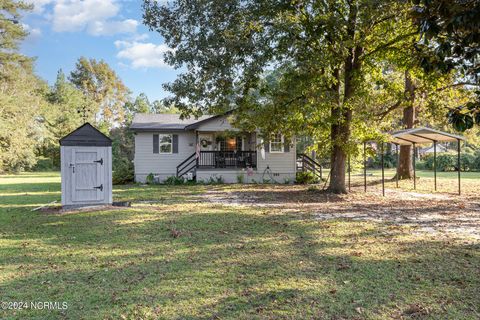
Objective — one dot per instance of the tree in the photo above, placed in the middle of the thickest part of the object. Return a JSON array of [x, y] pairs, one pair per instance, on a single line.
[[62, 114], [418, 98], [159, 107], [320, 49], [20, 93], [101, 85], [12, 33], [452, 27], [140, 105]]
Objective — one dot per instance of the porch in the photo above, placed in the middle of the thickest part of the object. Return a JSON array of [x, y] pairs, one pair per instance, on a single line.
[[227, 160], [222, 150]]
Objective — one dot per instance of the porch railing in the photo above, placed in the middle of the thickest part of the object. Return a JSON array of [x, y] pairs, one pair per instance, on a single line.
[[227, 159]]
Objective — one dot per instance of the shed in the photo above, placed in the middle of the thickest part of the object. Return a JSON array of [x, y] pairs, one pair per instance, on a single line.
[[86, 167]]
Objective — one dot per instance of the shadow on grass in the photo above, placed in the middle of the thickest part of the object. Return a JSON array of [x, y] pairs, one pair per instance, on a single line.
[[230, 263]]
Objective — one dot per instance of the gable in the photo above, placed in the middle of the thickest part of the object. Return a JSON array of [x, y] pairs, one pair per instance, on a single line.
[[86, 135]]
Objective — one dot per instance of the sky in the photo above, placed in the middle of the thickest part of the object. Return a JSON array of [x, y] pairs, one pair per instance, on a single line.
[[61, 31]]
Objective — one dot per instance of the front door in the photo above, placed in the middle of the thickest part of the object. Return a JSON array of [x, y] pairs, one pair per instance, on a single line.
[[88, 179]]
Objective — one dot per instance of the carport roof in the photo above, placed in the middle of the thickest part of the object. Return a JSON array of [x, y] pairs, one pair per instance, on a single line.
[[422, 135]]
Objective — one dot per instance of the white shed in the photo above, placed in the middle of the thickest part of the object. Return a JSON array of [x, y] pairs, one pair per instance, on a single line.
[[86, 168]]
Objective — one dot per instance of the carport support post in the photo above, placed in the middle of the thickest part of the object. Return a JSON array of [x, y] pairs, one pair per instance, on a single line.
[[365, 166], [458, 165], [435, 163], [383, 171], [414, 169], [398, 163]]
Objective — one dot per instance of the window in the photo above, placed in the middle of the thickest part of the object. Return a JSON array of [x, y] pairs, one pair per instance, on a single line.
[[165, 142], [276, 144], [230, 143]]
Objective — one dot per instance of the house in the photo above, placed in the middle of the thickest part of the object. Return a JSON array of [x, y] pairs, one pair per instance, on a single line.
[[423, 152], [208, 148]]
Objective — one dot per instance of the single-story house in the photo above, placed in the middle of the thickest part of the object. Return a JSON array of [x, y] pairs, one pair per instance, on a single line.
[[423, 152], [208, 148]]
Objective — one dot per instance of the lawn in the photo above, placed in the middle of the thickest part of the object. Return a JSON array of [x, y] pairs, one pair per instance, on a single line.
[[241, 252]]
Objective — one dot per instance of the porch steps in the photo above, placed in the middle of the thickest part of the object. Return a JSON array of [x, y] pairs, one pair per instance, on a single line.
[[307, 164], [188, 165]]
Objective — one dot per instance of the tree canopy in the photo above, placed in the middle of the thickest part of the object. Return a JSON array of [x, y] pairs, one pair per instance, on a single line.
[[319, 53], [104, 88], [452, 27]]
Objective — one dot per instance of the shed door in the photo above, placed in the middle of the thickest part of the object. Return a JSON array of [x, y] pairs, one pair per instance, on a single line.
[[88, 174]]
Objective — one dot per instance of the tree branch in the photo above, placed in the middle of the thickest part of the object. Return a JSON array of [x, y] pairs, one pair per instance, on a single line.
[[383, 114], [388, 44], [458, 85]]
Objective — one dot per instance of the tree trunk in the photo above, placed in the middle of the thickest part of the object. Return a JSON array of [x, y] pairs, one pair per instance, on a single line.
[[337, 156], [405, 165], [341, 113], [340, 133]]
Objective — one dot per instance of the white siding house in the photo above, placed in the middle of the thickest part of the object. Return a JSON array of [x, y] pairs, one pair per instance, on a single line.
[[208, 148]]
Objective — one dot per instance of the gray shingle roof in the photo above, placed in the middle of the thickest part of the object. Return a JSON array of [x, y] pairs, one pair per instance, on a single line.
[[143, 121]]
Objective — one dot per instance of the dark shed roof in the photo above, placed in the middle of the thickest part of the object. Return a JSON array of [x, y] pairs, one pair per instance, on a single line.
[[86, 136]]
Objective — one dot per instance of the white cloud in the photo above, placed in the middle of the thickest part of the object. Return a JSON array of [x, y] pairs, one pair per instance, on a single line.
[[97, 17], [106, 28], [142, 54], [33, 33], [39, 5]]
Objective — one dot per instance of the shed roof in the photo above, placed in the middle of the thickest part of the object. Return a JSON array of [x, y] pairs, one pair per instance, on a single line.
[[86, 136], [423, 135], [149, 122]]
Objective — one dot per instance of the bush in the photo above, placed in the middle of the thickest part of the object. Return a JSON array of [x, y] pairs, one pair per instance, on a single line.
[[421, 165], [123, 172], [45, 164], [467, 162], [150, 179], [476, 163], [240, 178], [174, 180], [389, 161], [306, 178], [448, 162]]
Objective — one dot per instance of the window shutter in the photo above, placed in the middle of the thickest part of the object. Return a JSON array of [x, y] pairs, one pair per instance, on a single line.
[[267, 146], [286, 146], [155, 143], [175, 143]]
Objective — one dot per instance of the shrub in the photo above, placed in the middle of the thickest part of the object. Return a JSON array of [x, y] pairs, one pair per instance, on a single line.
[[467, 162], [216, 180], [123, 172], [45, 164], [306, 178], [240, 178], [448, 162], [389, 161], [421, 165], [174, 180], [150, 179], [476, 163]]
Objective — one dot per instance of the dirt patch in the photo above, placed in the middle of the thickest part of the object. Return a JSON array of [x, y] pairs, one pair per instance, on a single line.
[[428, 213]]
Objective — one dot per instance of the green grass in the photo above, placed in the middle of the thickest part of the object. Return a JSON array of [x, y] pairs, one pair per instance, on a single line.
[[184, 258]]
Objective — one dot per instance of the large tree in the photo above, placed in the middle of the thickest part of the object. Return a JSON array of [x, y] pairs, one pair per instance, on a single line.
[[61, 114], [321, 49], [101, 85], [20, 93]]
